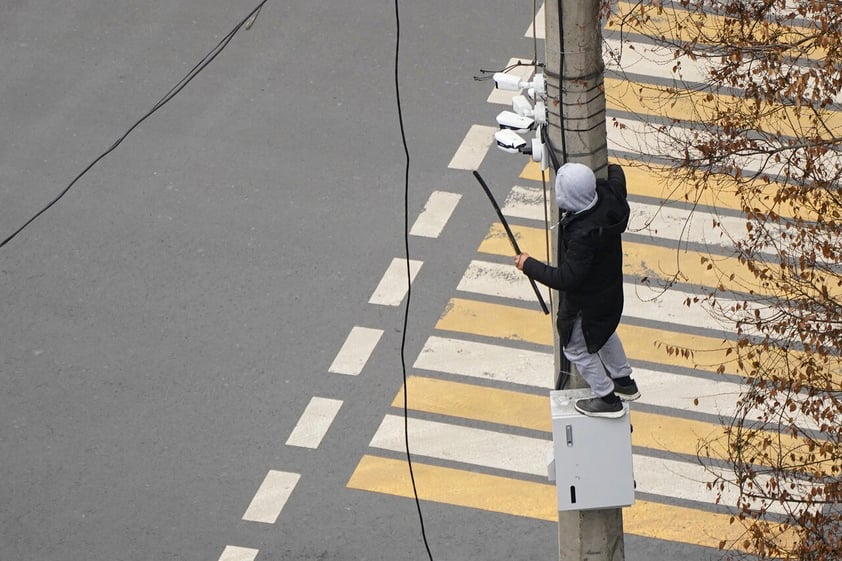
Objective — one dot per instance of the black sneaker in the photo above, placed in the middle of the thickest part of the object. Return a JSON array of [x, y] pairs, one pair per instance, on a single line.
[[598, 407], [627, 391]]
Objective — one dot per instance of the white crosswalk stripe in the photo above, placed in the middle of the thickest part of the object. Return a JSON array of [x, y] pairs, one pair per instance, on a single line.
[[641, 301], [527, 455], [656, 221], [502, 363]]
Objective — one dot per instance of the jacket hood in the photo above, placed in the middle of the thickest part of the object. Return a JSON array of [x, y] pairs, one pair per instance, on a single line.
[[609, 217], [575, 187]]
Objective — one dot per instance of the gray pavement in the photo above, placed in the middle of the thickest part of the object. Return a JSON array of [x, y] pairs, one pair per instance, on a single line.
[[167, 321]]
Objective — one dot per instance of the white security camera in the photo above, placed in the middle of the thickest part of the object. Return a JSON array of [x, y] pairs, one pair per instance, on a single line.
[[509, 141], [515, 122], [536, 87], [509, 82]]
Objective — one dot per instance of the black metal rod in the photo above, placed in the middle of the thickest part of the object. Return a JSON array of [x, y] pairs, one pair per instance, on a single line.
[[511, 236]]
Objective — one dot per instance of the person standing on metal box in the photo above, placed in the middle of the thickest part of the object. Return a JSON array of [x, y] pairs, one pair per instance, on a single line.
[[589, 279]]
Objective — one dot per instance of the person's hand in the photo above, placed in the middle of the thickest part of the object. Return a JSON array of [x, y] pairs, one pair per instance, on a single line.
[[520, 259]]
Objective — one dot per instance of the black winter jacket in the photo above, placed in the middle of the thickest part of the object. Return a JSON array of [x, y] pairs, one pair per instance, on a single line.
[[589, 275]]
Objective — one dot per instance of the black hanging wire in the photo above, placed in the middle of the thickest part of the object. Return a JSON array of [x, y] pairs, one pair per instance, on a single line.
[[206, 60], [565, 367], [408, 281], [486, 75]]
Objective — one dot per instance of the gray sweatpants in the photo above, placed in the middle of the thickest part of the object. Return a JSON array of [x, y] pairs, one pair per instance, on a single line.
[[597, 369]]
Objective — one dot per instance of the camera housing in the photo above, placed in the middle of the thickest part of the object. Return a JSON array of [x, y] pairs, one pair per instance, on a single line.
[[515, 122], [509, 141], [508, 82]]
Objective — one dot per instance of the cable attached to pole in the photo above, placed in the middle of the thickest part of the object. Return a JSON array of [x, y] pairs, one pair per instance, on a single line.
[[545, 136]]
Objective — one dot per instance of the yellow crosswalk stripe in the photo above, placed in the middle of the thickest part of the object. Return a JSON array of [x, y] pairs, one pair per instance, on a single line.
[[642, 343], [529, 411], [644, 100], [640, 260], [672, 348], [497, 321], [469, 401], [457, 487], [534, 500]]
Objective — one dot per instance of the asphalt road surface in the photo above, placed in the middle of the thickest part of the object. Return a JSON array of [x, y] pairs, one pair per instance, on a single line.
[[167, 322]]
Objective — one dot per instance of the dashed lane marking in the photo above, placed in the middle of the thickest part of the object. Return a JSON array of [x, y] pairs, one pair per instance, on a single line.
[[436, 213], [356, 350], [235, 553], [271, 497], [314, 422], [393, 285], [474, 147]]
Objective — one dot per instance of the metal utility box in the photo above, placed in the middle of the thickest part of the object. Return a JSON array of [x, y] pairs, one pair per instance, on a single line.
[[592, 460]]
